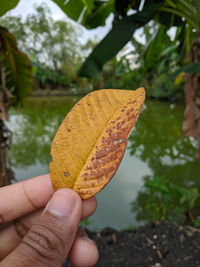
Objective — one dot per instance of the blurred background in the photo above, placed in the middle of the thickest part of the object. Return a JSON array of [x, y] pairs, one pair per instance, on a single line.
[[52, 53]]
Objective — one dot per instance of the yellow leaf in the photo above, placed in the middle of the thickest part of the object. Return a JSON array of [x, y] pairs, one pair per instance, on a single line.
[[180, 78], [91, 141]]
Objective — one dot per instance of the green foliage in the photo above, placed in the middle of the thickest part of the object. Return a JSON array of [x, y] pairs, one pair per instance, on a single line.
[[53, 46], [85, 222], [159, 61], [17, 66], [155, 71], [7, 5], [154, 49], [167, 201], [90, 13], [182, 8], [197, 222], [74, 9], [44, 75], [162, 86], [122, 31], [52, 43], [100, 12], [165, 12], [118, 74], [189, 197], [190, 68]]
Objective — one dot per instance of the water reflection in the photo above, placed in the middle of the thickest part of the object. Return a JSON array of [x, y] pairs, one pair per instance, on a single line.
[[34, 128], [158, 141], [156, 147]]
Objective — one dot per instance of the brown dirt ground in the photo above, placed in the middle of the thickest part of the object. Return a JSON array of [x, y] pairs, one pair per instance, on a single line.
[[152, 245]]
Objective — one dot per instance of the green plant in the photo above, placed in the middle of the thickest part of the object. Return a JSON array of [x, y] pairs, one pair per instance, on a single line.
[[15, 68], [128, 16], [197, 222], [52, 45], [166, 201], [85, 222]]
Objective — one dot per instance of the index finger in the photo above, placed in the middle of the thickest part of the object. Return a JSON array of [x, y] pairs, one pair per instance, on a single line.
[[24, 197]]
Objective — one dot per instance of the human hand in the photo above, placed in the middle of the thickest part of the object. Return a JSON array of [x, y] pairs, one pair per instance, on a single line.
[[33, 236]]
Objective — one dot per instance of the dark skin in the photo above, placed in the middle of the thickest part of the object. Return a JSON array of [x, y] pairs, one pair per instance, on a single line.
[[39, 227]]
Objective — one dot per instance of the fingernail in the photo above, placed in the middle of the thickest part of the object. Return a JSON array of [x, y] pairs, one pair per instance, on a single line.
[[61, 204]]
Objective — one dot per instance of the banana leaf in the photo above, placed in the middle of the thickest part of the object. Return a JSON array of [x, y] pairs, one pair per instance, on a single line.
[[17, 66]]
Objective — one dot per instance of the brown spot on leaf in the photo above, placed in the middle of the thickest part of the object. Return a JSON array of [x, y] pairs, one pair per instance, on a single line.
[[109, 131], [129, 112], [98, 174]]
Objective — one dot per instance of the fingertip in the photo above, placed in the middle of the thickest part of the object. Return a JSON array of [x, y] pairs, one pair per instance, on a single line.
[[89, 207], [84, 252], [70, 192], [64, 202]]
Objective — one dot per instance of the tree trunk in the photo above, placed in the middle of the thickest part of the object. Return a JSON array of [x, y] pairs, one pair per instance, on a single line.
[[6, 174], [191, 123]]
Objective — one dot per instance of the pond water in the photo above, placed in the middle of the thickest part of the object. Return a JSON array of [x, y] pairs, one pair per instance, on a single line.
[[156, 147]]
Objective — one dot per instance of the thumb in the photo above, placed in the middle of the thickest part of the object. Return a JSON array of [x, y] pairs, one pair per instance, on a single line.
[[49, 241]]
